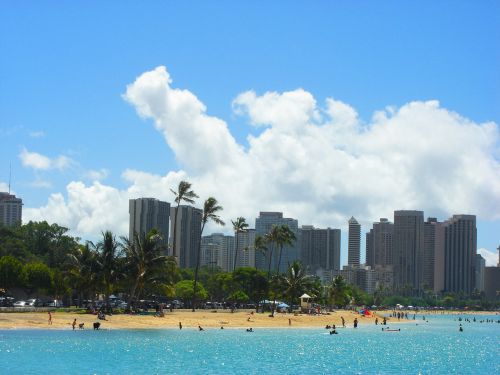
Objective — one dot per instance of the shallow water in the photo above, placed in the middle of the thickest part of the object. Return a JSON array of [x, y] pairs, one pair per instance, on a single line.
[[436, 347]]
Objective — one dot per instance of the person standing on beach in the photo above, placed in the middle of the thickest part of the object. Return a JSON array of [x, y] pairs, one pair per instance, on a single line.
[[376, 321], [180, 325], [50, 318], [289, 321], [355, 322], [343, 321], [74, 324]]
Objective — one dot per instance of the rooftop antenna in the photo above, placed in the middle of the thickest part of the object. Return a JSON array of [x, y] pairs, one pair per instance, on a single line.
[[10, 175]]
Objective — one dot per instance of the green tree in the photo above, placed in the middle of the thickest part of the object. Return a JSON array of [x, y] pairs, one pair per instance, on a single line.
[[339, 292], [185, 290], [108, 253], [210, 210], [183, 194], [296, 282], [253, 282], [145, 262], [285, 237], [82, 267], [37, 277], [239, 226], [10, 272]]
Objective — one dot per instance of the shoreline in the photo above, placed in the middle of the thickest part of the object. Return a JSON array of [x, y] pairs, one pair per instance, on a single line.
[[206, 319]]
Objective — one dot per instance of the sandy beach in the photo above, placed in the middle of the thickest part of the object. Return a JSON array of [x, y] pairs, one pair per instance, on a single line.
[[189, 320]]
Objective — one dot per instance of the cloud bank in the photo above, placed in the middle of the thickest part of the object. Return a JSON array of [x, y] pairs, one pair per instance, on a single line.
[[319, 163]]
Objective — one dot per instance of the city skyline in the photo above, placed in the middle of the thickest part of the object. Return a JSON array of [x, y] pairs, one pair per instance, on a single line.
[[266, 117]]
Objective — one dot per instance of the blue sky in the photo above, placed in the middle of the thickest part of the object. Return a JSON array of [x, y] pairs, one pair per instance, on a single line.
[[65, 67]]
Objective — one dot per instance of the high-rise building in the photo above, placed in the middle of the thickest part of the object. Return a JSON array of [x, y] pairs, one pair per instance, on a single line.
[[492, 283], [263, 225], [379, 244], [188, 234], [246, 249], [320, 248], [498, 264], [408, 244], [429, 253], [460, 249], [479, 273], [216, 250], [11, 209], [146, 214], [354, 242]]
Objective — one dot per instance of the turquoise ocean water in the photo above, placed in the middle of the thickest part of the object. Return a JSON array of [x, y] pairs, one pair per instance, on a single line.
[[436, 347]]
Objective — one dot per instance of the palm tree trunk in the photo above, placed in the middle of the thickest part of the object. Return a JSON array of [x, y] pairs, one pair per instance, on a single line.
[[196, 270], [132, 293], [279, 258], [235, 250], [175, 234]]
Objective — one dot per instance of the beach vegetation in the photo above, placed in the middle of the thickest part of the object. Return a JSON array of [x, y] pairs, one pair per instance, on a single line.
[[182, 194], [239, 226], [185, 290], [211, 209]]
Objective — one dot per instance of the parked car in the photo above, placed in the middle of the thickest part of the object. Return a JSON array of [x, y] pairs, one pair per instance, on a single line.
[[6, 301], [34, 302], [20, 304], [55, 303]]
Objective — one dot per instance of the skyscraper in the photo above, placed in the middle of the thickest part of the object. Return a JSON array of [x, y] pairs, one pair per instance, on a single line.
[[408, 244], [263, 225], [479, 273], [379, 244], [460, 249], [11, 209], [146, 214], [429, 252], [216, 250], [246, 249], [188, 234], [320, 248], [354, 242]]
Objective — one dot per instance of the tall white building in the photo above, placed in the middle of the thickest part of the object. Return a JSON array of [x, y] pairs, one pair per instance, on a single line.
[[146, 214], [216, 250], [246, 249], [11, 209]]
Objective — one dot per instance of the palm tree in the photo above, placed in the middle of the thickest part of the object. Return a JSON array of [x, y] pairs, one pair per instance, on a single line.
[[183, 194], [210, 209], [239, 226], [144, 260], [108, 252], [339, 291], [82, 271], [296, 282], [285, 238], [272, 239]]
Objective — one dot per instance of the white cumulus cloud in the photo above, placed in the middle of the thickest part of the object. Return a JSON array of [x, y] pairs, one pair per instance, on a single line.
[[316, 162], [38, 161], [490, 257]]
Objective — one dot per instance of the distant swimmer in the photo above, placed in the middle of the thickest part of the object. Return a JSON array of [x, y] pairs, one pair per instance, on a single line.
[[461, 329], [249, 330], [385, 321], [355, 322], [200, 328], [334, 332]]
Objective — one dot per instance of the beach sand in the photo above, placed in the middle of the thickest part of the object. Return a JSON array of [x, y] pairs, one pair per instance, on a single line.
[[189, 320]]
